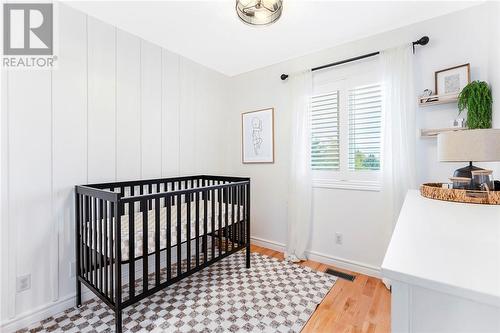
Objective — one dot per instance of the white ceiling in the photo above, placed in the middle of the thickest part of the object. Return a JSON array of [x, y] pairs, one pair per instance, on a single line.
[[210, 33]]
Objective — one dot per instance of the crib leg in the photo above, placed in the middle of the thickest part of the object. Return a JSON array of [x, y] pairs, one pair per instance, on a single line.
[[78, 293], [118, 321], [248, 255]]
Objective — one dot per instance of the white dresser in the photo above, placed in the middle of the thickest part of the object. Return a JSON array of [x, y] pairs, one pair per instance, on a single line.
[[444, 264]]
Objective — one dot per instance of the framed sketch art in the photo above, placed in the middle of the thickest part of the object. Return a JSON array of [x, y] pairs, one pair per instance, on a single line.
[[452, 80], [257, 131]]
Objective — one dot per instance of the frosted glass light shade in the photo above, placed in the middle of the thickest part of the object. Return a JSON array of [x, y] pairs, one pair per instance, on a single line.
[[259, 12], [478, 145]]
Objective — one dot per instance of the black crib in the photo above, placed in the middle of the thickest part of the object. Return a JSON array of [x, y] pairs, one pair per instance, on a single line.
[[190, 223]]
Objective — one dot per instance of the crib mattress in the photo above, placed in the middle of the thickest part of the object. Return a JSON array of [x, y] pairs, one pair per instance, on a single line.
[[138, 232]]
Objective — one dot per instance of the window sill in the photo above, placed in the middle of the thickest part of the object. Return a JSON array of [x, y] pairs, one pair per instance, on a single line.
[[358, 185]]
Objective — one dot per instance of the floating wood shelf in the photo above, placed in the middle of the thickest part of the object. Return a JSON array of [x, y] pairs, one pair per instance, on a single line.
[[433, 132], [437, 99]]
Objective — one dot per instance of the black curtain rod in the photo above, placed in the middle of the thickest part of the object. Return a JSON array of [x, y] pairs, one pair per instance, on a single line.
[[422, 41]]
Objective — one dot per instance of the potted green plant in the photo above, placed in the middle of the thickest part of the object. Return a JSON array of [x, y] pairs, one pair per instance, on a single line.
[[476, 98]]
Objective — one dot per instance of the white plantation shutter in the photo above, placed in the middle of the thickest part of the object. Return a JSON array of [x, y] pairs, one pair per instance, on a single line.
[[325, 131], [365, 113]]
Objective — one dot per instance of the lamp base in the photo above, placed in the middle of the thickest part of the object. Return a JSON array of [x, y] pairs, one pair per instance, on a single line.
[[466, 171]]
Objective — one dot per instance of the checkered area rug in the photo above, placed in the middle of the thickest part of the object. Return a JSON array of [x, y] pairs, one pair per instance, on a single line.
[[271, 296]]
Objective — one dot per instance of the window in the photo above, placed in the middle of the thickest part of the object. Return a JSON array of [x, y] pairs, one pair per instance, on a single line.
[[325, 131], [346, 122], [365, 113]]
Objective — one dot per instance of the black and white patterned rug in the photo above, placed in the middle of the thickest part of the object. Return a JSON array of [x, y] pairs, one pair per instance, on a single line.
[[271, 296]]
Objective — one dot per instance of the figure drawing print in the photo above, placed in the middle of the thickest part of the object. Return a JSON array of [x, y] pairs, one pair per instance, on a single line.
[[258, 136]]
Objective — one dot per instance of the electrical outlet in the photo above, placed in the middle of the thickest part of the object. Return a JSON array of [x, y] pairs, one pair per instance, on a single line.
[[23, 283], [339, 238], [72, 269]]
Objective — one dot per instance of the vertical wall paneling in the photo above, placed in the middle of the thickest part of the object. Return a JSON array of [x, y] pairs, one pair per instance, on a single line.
[[69, 108], [188, 101], [30, 186], [209, 97], [101, 102], [170, 109], [128, 116], [7, 228], [151, 110], [115, 107]]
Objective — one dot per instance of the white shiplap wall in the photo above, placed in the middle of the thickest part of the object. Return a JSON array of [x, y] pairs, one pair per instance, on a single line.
[[117, 107]]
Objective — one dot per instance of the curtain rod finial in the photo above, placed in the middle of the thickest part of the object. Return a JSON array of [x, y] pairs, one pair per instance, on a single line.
[[422, 41], [284, 77]]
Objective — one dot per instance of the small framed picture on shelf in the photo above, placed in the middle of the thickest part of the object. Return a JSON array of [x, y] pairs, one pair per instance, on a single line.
[[452, 80]]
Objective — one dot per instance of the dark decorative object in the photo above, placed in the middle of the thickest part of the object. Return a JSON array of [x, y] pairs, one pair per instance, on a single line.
[[466, 172], [476, 98]]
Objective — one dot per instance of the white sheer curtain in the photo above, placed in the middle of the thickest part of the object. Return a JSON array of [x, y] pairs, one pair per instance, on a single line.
[[300, 182], [399, 126]]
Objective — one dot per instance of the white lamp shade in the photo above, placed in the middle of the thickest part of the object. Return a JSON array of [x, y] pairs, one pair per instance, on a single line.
[[478, 145]]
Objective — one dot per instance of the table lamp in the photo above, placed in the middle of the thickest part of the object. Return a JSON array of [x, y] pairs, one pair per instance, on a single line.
[[477, 145]]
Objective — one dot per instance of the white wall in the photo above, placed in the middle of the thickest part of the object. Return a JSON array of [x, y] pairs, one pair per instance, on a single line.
[[455, 39], [116, 107]]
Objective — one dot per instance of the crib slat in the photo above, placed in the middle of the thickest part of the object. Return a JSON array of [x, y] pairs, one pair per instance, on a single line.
[[105, 244], [242, 223], [212, 231], [169, 240], [167, 186], [179, 232], [145, 241], [226, 216], [150, 190], [188, 234], [131, 249], [157, 239], [232, 218], [111, 250], [205, 224], [88, 233], [94, 241], [197, 226], [99, 242], [219, 231], [85, 236], [238, 224]]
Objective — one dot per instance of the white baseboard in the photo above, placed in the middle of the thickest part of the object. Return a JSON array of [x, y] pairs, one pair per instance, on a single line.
[[349, 265], [47, 310], [324, 258], [280, 247]]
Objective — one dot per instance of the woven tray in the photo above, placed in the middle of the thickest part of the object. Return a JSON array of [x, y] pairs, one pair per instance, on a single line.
[[435, 191]]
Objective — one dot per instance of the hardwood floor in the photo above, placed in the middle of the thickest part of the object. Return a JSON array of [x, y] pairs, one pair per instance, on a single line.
[[361, 306]]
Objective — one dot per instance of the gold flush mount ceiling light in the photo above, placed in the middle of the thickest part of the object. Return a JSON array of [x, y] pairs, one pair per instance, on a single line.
[[259, 12]]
